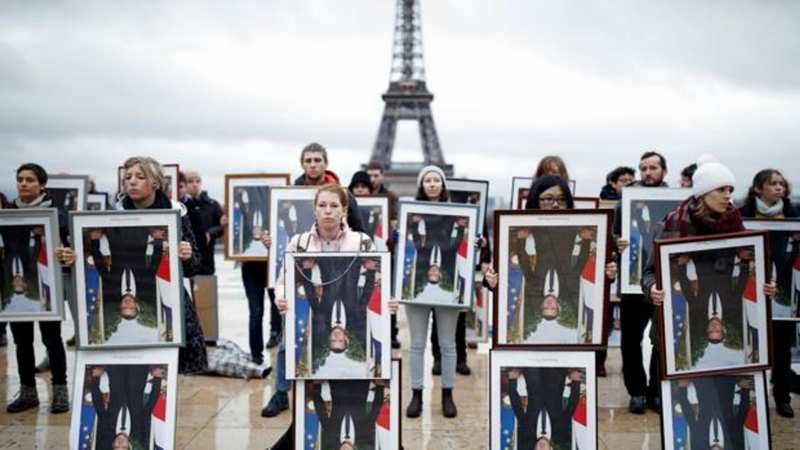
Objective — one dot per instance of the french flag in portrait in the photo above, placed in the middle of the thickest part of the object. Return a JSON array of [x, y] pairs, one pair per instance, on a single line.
[[383, 427], [374, 322], [680, 431], [87, 422], [158, 424], [163, 279], [507, 425], [587, 292], [45, 278], [751, 437], [580, 431], [751, 309], [311, 427], [462, 269]]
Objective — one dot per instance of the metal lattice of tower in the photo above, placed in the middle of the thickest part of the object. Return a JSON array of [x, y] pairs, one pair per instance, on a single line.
[[408, 97]]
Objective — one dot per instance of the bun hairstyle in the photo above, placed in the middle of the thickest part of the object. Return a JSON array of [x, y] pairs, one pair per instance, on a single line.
[[151, 168]]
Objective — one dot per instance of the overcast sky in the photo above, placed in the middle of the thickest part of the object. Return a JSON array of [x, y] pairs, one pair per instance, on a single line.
[[226, 87]]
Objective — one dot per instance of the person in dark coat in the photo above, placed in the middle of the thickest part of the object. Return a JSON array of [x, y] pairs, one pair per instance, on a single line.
[[615, 181], [205, 214], [769, 197], [31, 190]]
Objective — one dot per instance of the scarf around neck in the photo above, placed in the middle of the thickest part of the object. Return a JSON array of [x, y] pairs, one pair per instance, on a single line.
[[769, 211], [42, 201], [680, 222]]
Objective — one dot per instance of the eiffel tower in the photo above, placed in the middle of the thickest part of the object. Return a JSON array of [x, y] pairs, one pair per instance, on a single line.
[[407, 98]]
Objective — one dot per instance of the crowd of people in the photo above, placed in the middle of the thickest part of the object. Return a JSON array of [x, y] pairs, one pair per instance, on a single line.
[[338, 226]]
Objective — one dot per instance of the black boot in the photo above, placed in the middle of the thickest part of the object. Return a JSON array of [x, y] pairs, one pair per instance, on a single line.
[[448, 407], [415, 406]]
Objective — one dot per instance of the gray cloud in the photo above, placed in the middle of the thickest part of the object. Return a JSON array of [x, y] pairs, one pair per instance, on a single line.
[[229, 87]]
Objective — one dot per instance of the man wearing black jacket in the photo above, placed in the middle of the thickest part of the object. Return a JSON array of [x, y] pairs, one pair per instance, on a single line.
[[635, 310]]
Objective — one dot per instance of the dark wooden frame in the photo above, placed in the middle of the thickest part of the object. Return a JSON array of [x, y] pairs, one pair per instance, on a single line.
[[484, 203], [520, 350], [756, 375], [595, 200], [658, 248], [498, 214], [226, 206]]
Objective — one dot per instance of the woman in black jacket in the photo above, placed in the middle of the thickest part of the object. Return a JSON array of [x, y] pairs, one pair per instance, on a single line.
[[769, 197], [144, 179]]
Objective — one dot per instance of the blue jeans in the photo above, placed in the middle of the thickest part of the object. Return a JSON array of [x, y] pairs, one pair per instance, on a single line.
[[254, 277], [281, 383]]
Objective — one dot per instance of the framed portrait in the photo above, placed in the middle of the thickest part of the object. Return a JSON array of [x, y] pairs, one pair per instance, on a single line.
[[68, 192], [247, 198], [542, 399], [551, 266], [291, 213], [715, 316], [586, 202], [520, 186], [328, 414], [374, 210], [124, 399], [643, 210], [784, 251], [471, 192], [204, 296], [478, 320], [715, 412], [31, 278], [337, 322], [96, 201], [435, 254], [129, 280], [170, 188]]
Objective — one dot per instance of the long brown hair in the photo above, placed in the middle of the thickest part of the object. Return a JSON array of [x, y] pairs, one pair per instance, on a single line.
[[544, 165]]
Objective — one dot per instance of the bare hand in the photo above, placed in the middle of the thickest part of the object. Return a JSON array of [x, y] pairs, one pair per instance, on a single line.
[[491, 278], [611, 270], [266, 239], [223, 220], [281, 304], [656, 296], [393, 306], [770, 289], [65, 255], [184, 251], [622, 244]]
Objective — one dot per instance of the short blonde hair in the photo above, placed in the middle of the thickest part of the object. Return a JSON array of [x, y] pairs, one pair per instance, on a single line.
[[151, 168]]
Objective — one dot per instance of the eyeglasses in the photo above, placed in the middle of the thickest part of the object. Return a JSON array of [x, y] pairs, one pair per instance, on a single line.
[[552, 200]]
